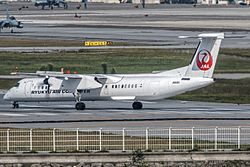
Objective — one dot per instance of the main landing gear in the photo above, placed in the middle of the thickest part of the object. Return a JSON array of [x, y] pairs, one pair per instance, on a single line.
[[137, 105], [15, 104], [80, 106]]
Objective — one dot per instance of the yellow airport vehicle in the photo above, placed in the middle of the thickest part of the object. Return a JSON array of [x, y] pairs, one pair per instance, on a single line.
[[97, 43]]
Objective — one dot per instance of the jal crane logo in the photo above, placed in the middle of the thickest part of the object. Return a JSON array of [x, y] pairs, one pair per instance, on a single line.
[[204, 60]]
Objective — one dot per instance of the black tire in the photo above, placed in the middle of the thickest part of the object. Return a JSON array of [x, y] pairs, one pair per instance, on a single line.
[[137, 105], [80, 106]]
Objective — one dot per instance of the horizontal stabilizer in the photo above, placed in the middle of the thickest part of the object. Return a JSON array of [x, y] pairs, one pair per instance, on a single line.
[[212, 35]]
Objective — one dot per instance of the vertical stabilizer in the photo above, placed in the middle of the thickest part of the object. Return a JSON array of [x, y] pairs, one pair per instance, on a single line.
[[7, 14], [205, 56]]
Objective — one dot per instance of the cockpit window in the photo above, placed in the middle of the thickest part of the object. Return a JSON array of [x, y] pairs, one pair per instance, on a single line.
[[17, 84]]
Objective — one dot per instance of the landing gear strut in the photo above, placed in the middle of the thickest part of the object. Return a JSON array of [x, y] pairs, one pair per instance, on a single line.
[[80, 106], [15, 104], [137, 105]]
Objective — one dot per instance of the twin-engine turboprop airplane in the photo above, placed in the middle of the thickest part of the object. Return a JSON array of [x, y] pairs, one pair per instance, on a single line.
[[56, 86]]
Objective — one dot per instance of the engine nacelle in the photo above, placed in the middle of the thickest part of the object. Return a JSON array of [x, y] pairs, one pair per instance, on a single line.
[[46, 81], [53, 82]]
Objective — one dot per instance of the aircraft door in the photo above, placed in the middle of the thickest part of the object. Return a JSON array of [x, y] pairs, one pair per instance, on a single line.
[[27, 88], [106, 89], [154, 87]]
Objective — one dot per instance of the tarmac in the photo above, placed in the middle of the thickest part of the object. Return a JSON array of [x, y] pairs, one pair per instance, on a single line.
[[156, 25], [114, 114]]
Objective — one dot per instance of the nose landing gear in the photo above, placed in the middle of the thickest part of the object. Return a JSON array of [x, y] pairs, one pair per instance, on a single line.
[[137, 105], [79, 104]]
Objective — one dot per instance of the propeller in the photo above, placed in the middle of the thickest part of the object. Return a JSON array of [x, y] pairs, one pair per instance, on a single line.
[[46, 82]]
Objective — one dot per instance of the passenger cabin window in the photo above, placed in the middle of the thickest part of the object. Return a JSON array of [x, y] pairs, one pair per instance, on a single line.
[[106, 86]]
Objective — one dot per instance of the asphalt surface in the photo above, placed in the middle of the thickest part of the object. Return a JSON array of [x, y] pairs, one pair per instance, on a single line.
[[156, 25], [111, 114]]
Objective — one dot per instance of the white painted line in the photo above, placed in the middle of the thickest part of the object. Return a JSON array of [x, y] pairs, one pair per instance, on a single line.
[[214, 109], [128, 112], [77, 113], [13, 115], [49, 106], [43, 114]]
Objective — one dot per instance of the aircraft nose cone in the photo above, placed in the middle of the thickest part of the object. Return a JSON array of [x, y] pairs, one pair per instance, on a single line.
[[6, 97]]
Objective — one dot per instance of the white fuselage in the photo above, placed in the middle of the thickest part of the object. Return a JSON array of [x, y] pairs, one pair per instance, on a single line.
[[57, 86], [129, 87]]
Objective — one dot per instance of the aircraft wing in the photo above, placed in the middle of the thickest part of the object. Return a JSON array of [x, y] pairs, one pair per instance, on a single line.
[[65, 81], [48, 74], [3, 24], [81, 82], [69, 81], [74, 81]]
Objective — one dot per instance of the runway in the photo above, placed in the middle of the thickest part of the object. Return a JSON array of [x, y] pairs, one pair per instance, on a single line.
[[157, 25], [167, 113]]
